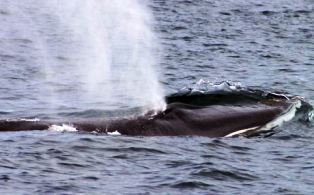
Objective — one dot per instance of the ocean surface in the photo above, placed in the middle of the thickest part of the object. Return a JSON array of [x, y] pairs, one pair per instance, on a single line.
[[263, 45]]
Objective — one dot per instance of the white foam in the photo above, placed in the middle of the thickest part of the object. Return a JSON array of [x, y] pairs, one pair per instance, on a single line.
[[311, 115], [204, 86], [114, 133], [23, 119], [62, 128], [30, 119]]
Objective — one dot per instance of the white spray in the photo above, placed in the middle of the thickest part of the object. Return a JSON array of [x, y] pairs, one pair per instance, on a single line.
[[97, 53], [111, 48]]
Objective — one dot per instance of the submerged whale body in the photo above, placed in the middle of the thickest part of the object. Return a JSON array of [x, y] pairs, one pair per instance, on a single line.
[[215, 113]]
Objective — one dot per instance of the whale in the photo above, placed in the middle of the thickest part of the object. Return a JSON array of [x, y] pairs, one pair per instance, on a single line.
[[215, 114]]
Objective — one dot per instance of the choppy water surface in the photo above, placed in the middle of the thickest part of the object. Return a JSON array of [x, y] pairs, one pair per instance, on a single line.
[[266, 45]]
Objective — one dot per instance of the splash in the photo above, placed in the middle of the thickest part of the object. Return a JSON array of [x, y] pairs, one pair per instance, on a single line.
[[62, 128], [103, 54]]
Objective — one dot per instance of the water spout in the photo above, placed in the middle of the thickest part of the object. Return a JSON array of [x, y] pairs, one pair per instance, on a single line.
[[103, 54]]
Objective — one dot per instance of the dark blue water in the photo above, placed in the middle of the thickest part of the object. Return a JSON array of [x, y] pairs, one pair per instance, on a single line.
[[265, 45]]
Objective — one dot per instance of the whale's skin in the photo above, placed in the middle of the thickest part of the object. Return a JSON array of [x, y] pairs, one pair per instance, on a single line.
[[178, 119]]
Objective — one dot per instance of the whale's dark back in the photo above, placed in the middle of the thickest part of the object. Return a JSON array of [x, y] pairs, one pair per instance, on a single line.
[[212, 114]]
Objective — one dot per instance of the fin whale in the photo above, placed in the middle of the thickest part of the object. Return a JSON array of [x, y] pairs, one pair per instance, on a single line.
[[218, 114]]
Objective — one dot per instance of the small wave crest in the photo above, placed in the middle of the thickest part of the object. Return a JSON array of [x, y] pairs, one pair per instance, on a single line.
[[205, 86]]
